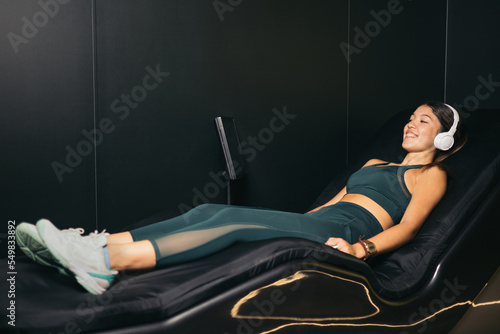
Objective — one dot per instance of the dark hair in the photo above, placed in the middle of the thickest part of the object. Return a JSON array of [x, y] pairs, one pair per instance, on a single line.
[[445, 116]]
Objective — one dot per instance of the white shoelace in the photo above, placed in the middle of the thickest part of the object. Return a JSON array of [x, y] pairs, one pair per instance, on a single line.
[[94, 238]]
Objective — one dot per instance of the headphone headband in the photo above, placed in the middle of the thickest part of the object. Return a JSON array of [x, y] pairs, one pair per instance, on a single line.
[[444, 140], [453, 128]]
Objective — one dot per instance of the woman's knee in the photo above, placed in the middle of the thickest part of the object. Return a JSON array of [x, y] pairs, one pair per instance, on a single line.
[[207, 207]]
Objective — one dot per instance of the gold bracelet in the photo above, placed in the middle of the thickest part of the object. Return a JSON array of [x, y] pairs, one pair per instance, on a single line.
[[368, 246]]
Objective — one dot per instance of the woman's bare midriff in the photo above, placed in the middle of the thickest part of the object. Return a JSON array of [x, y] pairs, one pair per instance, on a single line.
[[376, 210]]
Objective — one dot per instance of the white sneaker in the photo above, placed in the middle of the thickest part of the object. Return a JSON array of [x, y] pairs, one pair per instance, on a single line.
[[83, 256], [32, 245]]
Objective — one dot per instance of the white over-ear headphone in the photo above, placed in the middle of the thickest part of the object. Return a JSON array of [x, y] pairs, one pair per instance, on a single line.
[[444, 140]]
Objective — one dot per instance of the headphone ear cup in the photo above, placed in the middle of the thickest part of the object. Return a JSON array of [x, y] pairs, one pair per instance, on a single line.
[[444, 141]]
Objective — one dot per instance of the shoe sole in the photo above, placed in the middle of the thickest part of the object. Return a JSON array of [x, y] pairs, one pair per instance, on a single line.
[[32, 245], [45, 228]]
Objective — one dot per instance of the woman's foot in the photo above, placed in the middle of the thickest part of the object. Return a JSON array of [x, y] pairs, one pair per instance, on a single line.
[[31, 244], [82, 256], [34, 247]]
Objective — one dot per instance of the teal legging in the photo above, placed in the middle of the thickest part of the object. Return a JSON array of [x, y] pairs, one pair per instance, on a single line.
[[209, 228]]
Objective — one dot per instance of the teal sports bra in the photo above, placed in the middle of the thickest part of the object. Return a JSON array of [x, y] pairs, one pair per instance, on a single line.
[[385, 185]]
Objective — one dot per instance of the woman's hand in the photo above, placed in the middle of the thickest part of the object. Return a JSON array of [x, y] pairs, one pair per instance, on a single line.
[[343, 246]]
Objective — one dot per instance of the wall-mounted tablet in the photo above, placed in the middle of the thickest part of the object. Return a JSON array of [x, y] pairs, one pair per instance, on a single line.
[[235, 164]]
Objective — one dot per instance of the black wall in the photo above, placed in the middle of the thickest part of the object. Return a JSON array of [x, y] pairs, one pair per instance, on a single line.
[[46, 100], [151, 75], [402, 66], [473, 78], [263, 56]]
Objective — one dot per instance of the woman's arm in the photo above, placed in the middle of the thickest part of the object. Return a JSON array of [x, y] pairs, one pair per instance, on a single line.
[[428, 191]]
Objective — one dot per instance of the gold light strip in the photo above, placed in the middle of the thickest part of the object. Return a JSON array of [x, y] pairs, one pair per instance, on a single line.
[[383, 325], [297, 276], [308, 321]]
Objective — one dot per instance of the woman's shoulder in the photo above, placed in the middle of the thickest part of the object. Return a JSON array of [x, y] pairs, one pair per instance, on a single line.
[[433, 172], [374, 162], [435, 168]]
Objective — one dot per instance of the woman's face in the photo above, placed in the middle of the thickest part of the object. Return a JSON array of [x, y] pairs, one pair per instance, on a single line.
[[420, 131]]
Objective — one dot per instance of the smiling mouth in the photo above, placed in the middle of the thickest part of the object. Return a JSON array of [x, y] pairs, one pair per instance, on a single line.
[[410, 135]]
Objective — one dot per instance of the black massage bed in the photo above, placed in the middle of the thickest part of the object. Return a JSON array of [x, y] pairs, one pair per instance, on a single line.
[[291, 285]]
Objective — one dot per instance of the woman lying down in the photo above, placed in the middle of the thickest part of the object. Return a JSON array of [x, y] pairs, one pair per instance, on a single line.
[[384, 202]]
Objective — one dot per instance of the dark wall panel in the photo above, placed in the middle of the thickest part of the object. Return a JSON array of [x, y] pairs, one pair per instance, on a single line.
[[271, 65], [473, 79], [399, 61], [285, 54], [46, 103]]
